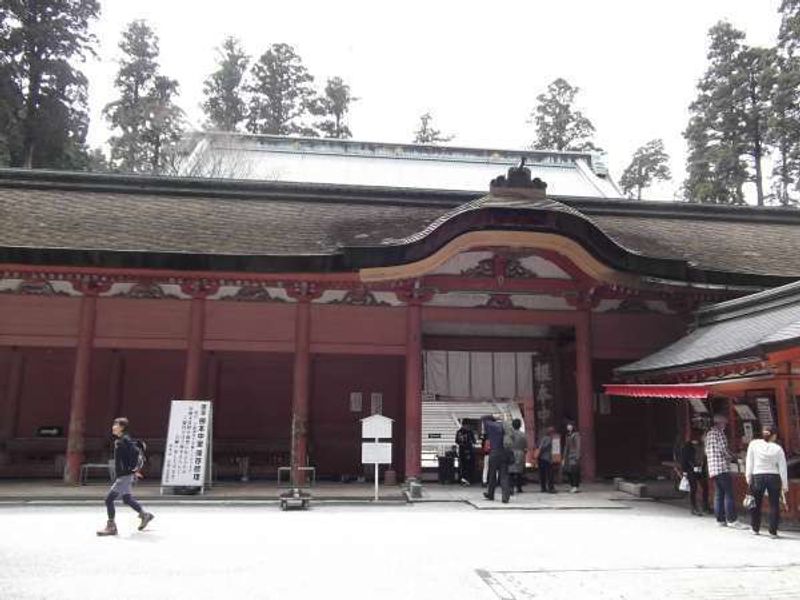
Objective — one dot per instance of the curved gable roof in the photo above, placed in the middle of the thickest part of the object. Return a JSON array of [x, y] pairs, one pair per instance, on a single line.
[[181, 223]]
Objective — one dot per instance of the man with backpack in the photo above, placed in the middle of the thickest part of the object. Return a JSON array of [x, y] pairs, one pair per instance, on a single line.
[[128, 462]]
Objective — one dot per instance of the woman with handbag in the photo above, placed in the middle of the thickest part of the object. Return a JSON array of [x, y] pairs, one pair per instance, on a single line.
[[765, 470], [695, 471]]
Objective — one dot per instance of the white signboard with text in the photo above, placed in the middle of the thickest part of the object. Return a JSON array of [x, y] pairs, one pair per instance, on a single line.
[[376, 453], [373, 451], [187, 451]]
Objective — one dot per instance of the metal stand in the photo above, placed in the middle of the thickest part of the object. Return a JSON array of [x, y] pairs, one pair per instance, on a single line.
[[296, 496]]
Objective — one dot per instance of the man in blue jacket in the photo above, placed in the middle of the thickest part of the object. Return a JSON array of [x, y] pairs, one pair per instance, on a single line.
[[498, 458], [127, 462]]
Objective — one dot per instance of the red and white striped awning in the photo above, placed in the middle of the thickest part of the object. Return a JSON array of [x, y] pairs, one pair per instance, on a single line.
[[657, 391]]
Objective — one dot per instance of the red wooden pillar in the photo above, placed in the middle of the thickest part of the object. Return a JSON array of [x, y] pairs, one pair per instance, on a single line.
[[8, 424], [300, 387], [583, 345], [194, 349], [782, 399], [115, 383], [413, 412], [80, 388]]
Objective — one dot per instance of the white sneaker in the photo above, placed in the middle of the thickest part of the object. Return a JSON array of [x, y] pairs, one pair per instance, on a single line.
[[737, 525], [573, 490]]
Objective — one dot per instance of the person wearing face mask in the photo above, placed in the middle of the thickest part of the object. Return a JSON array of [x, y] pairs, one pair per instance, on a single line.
[[572, 458], [765, 470], [695, 469]]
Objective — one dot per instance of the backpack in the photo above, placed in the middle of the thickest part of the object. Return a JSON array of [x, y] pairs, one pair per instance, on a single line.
[[141, 458]]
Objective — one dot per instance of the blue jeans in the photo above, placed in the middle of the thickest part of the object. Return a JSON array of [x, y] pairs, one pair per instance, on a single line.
[[724, 502]]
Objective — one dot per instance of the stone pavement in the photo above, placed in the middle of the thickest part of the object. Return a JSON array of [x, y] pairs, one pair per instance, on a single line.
[[591, 496], [55, 492], [420, 551]]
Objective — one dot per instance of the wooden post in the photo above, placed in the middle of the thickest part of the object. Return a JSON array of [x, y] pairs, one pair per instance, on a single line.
[[115, 384], [583, 345], [194, 349], [300, 388], [80, 389], [413, 412], [8, 424], [782, 399]]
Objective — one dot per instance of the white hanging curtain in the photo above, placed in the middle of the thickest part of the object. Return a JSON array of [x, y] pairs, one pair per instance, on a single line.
[[482, 375], [436, 372]]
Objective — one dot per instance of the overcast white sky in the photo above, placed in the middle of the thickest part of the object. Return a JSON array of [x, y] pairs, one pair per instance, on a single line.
[[477, 66]]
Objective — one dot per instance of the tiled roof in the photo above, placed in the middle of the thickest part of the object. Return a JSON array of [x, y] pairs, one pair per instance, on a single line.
[[733, 330], [58, 211]]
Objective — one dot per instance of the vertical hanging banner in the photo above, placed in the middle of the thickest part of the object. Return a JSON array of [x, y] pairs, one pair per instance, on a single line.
[[187, 451]]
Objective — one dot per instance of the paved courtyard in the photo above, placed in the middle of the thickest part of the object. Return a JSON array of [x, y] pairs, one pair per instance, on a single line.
[[451, 550]]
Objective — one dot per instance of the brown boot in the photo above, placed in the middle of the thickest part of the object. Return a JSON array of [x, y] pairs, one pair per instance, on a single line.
[[145, 517], [111, 529]]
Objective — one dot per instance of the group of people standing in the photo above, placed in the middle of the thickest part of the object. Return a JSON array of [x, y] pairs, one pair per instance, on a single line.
[[505, 448], [708, 457]]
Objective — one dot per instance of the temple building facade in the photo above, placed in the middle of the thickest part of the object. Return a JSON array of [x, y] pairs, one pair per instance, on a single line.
[[303, 304]]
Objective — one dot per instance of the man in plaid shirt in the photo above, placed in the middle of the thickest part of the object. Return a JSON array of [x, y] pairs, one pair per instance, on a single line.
[[719, 458]]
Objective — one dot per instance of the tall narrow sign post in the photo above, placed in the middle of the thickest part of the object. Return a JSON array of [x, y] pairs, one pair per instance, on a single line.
[[375, 452], [188, 449]]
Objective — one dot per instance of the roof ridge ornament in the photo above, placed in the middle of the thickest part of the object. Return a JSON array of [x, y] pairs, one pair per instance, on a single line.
[[518, 182]]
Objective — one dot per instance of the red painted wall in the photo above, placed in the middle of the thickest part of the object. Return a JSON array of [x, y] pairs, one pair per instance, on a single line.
[[335, 431], [46, 389], [253, 399], [152, 379], [52, 318], [630, 335]]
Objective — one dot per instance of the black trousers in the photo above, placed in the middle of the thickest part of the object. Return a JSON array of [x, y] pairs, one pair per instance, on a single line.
[[466, 465], [546, 475], [498, 469], [574, 475], [696, 479], [771, 483]]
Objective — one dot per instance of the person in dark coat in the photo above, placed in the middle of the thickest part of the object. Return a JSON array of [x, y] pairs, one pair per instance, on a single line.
[[572, 458], [465, 440], [545, 461], [127, 465], [498, 459], [519, 446], [695, 469]]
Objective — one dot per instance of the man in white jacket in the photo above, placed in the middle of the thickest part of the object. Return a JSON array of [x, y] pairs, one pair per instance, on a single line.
[[765, 470]]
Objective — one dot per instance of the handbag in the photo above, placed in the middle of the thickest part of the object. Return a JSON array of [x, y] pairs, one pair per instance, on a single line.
[[749, 502], [684, 486]]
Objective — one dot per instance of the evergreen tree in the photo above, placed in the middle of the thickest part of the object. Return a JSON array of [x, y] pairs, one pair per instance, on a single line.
[[784, 123], [282, 93], [558, 125], [789, 32], [729, 119], [649, 164], [148, 121], [43, 96], [333, 107], [224, 106], [428, 134]]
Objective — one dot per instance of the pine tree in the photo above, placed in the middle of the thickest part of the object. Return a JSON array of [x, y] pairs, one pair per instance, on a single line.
[[649, 164], [148, 121], [43, 96], [282, 93], [333, 107], [428, 134], [784, 122], [729, 119], [558, 125], [224, 106]]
